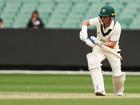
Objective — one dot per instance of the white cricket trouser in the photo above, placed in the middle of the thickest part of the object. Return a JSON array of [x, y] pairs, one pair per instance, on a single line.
[[94, 64]]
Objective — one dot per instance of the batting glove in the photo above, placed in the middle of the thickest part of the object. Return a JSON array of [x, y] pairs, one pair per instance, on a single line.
[[89, 42], [93, 39]]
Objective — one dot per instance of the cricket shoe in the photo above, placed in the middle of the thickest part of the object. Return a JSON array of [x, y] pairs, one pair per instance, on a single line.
[[120, 94], [99, 94]]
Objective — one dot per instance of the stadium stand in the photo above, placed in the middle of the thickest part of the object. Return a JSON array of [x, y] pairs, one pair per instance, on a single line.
[[67, 13]]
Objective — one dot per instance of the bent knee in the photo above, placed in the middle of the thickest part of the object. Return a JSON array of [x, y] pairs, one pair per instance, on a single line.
[[93, 61]]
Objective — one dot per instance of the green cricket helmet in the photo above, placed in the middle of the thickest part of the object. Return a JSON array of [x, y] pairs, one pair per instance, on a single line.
[[107, 11]]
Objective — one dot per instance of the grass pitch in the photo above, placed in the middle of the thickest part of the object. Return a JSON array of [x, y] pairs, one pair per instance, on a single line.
[[46, 89]]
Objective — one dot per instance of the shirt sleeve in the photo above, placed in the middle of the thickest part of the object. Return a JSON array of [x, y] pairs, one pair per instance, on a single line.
[[116, 33], [94, 21]]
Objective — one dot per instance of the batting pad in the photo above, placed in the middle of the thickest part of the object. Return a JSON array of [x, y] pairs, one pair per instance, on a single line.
[[118, 83]]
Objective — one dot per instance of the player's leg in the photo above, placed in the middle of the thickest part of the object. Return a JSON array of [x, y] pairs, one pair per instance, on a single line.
[[118, 83], [118, 77], [94, 65]]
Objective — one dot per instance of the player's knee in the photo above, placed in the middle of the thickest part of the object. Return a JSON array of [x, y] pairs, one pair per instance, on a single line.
[[116, 70], [93, 61]]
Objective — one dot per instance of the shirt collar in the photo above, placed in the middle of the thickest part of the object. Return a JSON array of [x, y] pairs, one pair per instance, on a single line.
[[111, 25]]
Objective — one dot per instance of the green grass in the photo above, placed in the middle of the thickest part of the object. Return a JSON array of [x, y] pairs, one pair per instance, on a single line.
[[72, 102], [59, 83], [63, 84], [45, 83]]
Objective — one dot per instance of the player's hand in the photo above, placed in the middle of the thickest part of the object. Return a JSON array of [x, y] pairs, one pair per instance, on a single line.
[[93, 39], [83, 33], [89, 42]]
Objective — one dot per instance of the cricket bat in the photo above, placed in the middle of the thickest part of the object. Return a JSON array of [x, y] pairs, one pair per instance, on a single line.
[[109, 50], [105, 48]]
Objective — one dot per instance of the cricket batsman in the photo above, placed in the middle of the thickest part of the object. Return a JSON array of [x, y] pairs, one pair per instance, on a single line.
[[108, 32]]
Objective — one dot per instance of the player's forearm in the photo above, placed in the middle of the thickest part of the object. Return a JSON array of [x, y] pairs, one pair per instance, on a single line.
[[110, 44]]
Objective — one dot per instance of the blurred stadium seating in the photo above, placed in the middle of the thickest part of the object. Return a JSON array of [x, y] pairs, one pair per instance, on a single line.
[[67, 13]]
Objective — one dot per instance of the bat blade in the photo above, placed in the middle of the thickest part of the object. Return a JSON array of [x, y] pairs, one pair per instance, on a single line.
[[109, 50]]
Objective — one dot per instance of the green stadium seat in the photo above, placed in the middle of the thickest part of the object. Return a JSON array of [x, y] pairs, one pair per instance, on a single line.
[[94, 1], [2, 3], [62, 7], [29, 1], [53, 25], [46, 1], [21, 20], [8, 22], [6, 16], [29, 6], [110, 1], [63, 1], [125, 22], [71, 12], [78, 1], [55, 21], [72, 23], [69, 26], [20, 24], [45, 17], [75, 16], [46, 7], [58, 16], [137, 1], [134, 26], [13, 1], [91, 13], [80, 8], [11, 8]]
